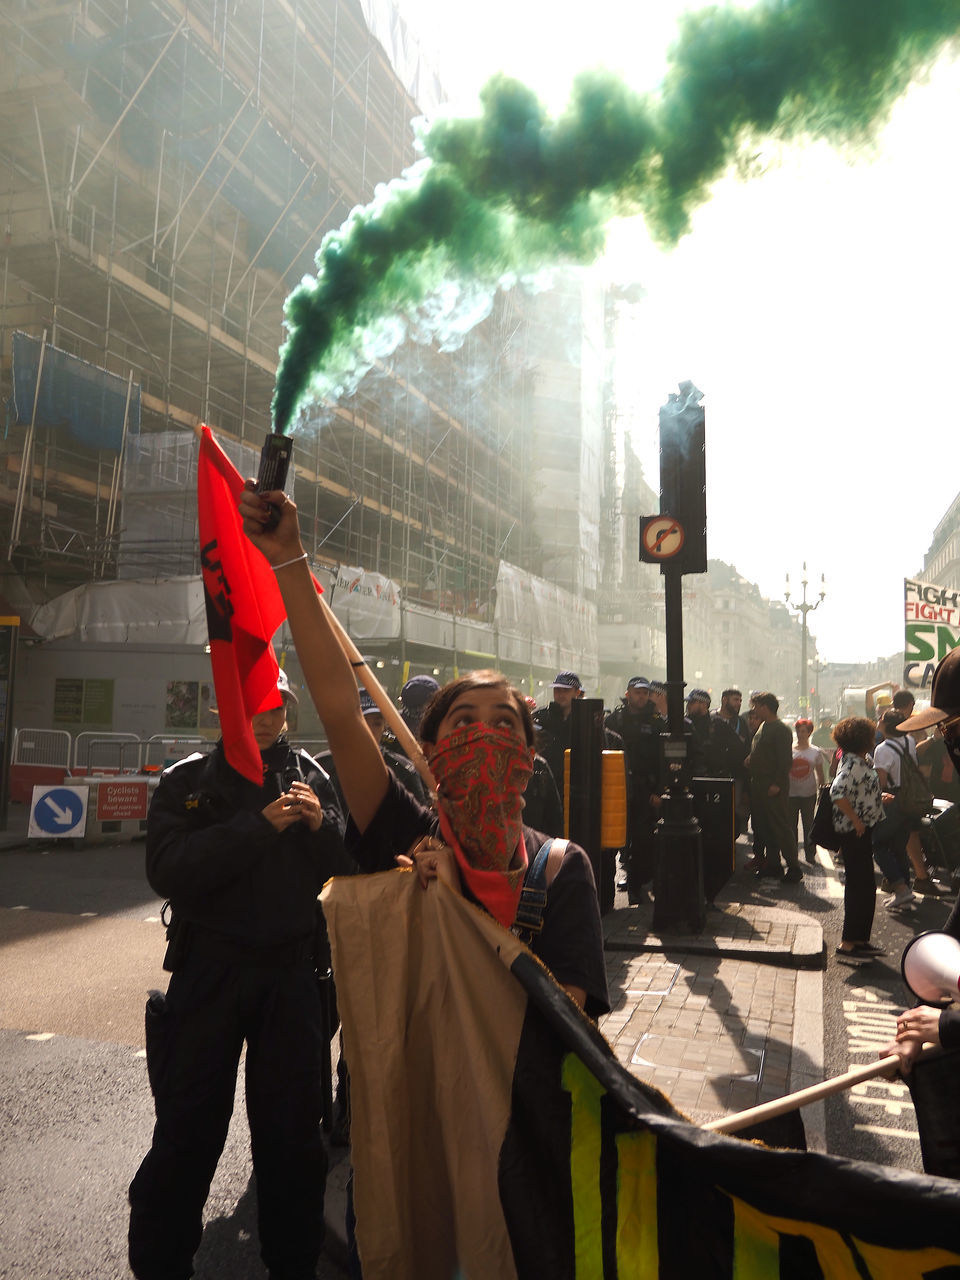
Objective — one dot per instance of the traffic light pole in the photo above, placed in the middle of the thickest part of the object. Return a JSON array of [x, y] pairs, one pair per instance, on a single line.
[[677, 541], [678, 857], [586, 779]]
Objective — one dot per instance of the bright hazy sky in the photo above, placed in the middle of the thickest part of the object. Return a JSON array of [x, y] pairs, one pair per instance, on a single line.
[[815, 306]]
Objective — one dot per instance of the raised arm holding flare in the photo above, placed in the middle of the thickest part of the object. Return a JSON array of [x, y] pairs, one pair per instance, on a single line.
[[479, 739]]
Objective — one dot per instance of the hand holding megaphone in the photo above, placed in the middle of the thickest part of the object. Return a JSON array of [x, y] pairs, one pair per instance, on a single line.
[[930, 965]]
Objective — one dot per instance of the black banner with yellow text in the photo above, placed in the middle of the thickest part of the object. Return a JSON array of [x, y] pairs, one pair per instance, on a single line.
[[495, 1134]]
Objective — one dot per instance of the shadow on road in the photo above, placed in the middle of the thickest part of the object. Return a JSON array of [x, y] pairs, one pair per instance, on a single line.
[[230, 1246]]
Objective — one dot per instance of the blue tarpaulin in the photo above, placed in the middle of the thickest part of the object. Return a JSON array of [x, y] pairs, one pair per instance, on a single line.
[[78, 398]]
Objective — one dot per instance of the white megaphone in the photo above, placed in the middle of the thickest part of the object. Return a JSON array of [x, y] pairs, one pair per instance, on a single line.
[[930, 965]]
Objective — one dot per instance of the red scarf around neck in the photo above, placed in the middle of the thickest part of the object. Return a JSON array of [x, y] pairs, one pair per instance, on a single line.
[[481, 774]]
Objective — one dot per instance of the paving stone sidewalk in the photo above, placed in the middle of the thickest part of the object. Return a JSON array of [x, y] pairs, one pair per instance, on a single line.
[[719, 1021], [725, 1019]]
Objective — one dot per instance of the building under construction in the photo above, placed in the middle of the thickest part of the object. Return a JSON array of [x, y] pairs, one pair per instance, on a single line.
[[167, 171]]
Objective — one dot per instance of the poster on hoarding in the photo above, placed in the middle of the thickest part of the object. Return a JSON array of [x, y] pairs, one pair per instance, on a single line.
[[367, 603], [931, 616]]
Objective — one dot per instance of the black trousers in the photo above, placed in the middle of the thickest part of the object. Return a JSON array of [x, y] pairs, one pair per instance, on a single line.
[[859, 886], [642, 820], [214, 1005], [803, 807]]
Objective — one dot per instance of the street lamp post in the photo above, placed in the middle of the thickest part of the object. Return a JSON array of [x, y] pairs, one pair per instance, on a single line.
[[803, 608], [817, 668]]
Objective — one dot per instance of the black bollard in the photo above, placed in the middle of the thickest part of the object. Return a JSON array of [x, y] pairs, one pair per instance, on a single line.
[[586, 777], [679, 904]]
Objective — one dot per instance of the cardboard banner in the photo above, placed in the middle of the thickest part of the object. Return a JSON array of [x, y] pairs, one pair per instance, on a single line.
[[494, 1133], [931, 629]]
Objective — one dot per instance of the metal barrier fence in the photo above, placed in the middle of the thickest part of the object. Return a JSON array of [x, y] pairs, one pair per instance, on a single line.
[[47, 752], [106, 752], [49, 747], [118, 752], [108, 769], [170, 749]]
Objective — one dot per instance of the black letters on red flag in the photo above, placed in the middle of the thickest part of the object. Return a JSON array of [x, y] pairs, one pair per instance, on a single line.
[[244, 609]]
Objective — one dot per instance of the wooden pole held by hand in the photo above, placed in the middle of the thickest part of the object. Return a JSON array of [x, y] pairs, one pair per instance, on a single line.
[[887, 1067]]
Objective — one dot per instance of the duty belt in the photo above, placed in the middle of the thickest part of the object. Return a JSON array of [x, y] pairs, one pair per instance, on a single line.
[[270, 955]]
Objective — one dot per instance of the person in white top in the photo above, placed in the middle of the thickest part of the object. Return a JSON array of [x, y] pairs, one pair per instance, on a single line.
[[887, 758], [806, 777], [890, 836]]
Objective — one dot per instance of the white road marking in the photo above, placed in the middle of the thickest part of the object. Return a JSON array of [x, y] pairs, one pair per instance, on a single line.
[[831, 882], [871, 1023], [887, 1133], [891, 1108], [898, 1092], [42, 1035]]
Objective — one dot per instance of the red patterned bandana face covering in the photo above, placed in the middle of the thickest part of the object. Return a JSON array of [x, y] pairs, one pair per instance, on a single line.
[[481, 774]]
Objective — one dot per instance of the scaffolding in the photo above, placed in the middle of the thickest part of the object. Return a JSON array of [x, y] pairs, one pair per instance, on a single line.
[[168, 172]]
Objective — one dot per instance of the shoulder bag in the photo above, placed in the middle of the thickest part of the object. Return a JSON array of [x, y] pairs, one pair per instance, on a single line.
[[823, 832]]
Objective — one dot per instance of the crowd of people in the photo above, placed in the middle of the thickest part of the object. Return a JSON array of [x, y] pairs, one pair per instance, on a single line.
[[241, 866], [775, 780]]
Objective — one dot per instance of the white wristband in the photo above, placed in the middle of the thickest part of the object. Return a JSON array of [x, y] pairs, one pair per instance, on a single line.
[[286, 563]]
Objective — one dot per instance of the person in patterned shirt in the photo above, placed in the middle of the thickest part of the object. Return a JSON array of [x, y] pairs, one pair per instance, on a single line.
[[857, 808]]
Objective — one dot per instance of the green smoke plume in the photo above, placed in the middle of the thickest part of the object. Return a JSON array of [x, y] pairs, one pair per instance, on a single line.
[[511, 191]]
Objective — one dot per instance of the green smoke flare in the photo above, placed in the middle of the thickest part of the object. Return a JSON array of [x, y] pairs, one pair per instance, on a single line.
[[513, 190]]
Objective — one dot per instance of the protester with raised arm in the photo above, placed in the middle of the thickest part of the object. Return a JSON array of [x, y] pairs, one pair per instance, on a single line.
[[478, 737]]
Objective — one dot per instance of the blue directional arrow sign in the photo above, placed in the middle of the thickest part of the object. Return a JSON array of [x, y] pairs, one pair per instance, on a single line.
[[59, 811]]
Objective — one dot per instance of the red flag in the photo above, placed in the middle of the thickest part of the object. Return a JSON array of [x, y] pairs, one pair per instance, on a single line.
[[244, 609]]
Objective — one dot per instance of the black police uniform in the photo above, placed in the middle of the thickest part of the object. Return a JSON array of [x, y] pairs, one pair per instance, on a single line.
[[403, 769], [715, 749], [542, 806], [242, 955], [641, 733], [553, 739]]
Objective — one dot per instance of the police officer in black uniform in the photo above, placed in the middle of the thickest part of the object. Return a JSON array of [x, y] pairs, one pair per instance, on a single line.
[[398, 764], [241, 866], [554, 725], [715, 750], [640, 726]]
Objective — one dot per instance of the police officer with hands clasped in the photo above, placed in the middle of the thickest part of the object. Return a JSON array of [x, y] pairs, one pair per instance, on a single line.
[[241, 866]]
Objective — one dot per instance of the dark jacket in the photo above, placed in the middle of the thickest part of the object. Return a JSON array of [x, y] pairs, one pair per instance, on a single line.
[[224, 868], [542, 807], [553, 739], [716, 749], [950, 1017], [640, 732], [740, 726], [401, 766], [771, 757]]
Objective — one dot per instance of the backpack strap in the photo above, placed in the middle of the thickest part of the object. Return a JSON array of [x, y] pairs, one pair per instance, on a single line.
[[904, 757], [533, 895]]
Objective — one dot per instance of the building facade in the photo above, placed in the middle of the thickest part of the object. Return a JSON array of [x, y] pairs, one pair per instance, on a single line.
[[167, 172], [941, 564]]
